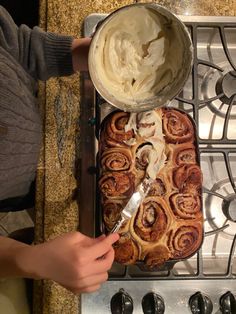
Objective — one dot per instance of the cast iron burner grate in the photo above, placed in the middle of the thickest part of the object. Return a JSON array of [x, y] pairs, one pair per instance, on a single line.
[[209, 96]]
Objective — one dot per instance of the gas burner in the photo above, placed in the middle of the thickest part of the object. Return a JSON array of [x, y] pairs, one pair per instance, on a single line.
[[229, 207], [221, 209], [218, 89], [226, 85]]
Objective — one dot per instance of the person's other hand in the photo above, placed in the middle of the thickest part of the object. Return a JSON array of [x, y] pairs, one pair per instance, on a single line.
[[80, 50], [73, 260]]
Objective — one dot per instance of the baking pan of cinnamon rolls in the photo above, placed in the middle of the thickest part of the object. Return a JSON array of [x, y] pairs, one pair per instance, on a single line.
[[168, 225]]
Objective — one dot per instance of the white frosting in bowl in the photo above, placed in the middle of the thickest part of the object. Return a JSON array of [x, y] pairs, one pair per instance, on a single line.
[[136, 54]]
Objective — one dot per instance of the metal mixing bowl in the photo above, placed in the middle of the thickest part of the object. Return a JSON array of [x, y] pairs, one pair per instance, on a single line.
[[167, 93]]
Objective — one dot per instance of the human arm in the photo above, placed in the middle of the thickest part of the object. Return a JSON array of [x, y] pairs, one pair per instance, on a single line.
[[42, 54], [80, 50], [72, 260]]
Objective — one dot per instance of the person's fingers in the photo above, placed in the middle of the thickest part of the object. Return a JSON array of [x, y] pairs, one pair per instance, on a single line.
[[75, 237], [98, 239], [101, 237], [86, 241], [102, 247], [91, 280], [83, 289], [100, 265], [104, 263], [90, 289], [97, 266], [87, 289], [96, 279], [88, 281]]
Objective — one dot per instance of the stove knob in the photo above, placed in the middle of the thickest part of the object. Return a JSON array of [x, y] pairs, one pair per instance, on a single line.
[[200, 304], [121, 303], [228, 303], [153, 303]]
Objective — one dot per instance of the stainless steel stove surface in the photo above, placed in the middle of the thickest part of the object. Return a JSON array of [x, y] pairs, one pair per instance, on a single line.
[[206, 282]]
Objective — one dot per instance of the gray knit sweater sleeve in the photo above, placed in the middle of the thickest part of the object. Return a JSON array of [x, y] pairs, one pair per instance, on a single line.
[[42, 54]]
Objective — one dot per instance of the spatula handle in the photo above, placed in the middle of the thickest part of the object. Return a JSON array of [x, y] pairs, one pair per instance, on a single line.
[[118, 225]]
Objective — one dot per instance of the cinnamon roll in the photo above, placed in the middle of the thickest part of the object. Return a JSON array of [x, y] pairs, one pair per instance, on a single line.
[[116, 159], [149, 124], [184, 154], [186, 206], [177, 126], [151, 220], [168, 225], [188, 178], [111, 211], [150, 157], [113, 131], [126, 250], [142, 156], [185, 240], [157, 257], [118, 185], [158, 188]]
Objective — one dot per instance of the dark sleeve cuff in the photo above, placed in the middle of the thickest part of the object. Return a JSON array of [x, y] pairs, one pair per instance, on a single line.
[[58, 54]]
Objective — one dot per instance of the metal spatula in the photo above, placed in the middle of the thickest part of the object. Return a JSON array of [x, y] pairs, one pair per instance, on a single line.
[[133, 203]]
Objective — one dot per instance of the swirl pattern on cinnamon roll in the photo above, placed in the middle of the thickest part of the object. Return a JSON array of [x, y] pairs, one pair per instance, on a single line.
[[126, 250], [111, 211], [188, 178], [151, 220], [184, 241], [142, 156], [116, 159], [177, 127], [117, 184], [157, 257], [158, 188], [186, 206], [113, 133], [184, 154]]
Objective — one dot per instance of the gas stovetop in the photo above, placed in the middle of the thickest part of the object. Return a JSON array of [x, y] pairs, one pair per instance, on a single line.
[[206, 282]]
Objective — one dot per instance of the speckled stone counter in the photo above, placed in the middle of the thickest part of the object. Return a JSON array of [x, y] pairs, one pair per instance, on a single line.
[[56, 206]]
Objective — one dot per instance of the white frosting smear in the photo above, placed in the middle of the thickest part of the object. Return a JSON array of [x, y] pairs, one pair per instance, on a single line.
[[132, 58], [148, 125]]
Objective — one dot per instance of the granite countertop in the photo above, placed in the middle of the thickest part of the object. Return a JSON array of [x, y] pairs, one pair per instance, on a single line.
[[56, 206]]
